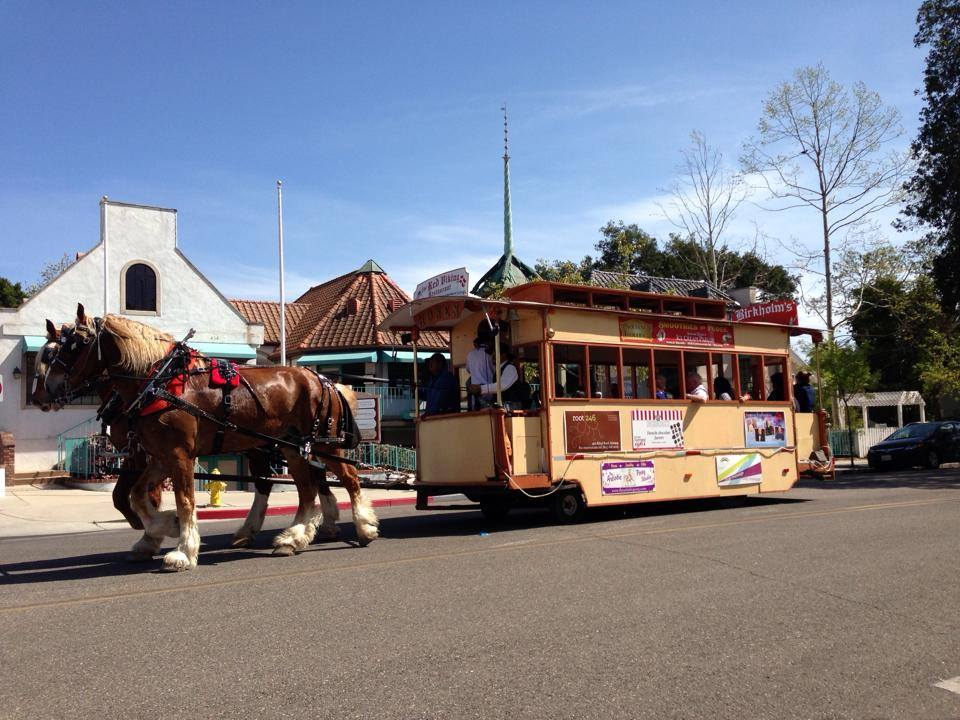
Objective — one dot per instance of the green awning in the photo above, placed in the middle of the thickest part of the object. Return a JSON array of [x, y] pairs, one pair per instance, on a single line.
[[33, 343], [406, 356], [230, 351], [364, 356]]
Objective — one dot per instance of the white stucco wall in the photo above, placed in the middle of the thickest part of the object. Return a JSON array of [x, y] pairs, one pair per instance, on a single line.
[[185, 300]]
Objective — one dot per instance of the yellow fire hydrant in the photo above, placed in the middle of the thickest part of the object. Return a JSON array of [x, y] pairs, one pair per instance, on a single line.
[[216, 488]]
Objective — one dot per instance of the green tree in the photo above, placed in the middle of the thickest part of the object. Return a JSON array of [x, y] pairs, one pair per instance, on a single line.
[[565, 271], [820, 146], [844, 372], [934, 189], [628, 249], [11, 294]]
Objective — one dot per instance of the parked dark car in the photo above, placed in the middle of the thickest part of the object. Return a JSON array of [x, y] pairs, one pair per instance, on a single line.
[[926, 443]]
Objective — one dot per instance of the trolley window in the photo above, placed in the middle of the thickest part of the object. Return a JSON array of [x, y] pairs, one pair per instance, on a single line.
[[775, 379], [668, 371], [698, 364], [569, 378], [604, 372], [527, 359], [637, 379], [751, 376], [724, 380]]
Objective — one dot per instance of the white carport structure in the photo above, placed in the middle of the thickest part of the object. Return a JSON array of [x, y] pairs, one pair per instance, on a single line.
[[892, 398]]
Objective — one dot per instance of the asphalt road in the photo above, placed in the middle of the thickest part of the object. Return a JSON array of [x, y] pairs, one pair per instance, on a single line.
[[832, 601]]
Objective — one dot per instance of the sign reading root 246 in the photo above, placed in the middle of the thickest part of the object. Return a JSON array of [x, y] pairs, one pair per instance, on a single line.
[[452, 282]]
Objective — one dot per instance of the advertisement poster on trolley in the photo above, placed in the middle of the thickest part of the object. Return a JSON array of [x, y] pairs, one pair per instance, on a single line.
[[676, 332], [733, 470], [629, 476], [589, 431], [764, 429], [657, 429]]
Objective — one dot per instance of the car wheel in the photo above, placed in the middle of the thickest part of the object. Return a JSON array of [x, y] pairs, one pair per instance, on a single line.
[[568, 506], [933, 460]]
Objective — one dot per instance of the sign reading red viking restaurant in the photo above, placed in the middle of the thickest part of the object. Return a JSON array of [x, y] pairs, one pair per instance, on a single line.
[[782, 312], [675, 332]]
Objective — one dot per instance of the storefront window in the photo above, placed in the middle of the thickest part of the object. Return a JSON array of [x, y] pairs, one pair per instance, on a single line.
[[637, 379], [568, 371], [667, 374]]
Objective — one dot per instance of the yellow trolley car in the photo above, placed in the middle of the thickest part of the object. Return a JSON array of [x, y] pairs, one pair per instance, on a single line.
[[633, 397]]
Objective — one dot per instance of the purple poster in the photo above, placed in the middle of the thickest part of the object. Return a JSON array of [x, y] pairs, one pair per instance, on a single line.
[[629, 476]]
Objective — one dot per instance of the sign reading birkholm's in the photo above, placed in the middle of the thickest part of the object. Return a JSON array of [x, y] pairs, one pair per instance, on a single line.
[[782, 312]]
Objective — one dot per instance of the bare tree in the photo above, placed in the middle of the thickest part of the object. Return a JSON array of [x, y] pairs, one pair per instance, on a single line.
[[821, 146], [704, 198]]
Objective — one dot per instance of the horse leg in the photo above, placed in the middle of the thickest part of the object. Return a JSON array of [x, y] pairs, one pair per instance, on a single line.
[[364, 518], [301, 533], [328, 507], [188, 548], [156, 525], [259, 467]]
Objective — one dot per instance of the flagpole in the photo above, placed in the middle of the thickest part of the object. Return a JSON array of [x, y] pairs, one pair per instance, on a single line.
[[283, 323]]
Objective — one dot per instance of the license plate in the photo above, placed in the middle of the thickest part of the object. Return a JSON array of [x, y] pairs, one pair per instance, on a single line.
[[886, 458]]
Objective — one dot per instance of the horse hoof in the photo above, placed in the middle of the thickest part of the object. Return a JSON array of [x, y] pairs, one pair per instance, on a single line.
[[327, 534], [176, 561], [284, 550]]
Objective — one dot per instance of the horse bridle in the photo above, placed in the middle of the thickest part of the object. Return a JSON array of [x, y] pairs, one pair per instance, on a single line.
[[51, 358]]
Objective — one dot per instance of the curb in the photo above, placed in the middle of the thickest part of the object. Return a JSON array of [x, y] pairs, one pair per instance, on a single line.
[[236, 513]]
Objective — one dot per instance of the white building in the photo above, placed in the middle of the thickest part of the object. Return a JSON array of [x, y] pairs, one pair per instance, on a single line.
[[136, 270]]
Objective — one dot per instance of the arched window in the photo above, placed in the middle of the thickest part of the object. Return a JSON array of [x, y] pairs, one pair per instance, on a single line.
[[140, 288]]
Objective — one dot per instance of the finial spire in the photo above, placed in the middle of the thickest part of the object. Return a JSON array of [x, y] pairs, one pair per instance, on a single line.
[[507, 213]]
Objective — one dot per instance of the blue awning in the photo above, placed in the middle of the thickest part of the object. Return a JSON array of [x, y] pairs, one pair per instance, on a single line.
[[335, 358], [230, 351], [406, 356], [33, 343]]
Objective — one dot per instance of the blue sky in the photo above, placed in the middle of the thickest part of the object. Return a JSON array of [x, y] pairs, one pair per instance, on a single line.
[[383, 121]]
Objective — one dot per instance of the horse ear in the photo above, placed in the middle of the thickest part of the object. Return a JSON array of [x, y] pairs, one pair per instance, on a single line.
[[81, 314], [51, 330]]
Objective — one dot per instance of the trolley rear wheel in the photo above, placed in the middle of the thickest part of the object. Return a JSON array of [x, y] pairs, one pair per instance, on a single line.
[[568, 506]]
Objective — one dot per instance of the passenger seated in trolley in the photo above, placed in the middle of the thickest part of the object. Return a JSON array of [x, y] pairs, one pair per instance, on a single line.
[[514, 391]]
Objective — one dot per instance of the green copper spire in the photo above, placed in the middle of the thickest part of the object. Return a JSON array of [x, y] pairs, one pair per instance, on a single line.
[[507, 214], [509, 270]]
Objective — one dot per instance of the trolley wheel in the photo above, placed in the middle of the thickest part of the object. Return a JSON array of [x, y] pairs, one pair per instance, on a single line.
[[494, 510], [568, 506]]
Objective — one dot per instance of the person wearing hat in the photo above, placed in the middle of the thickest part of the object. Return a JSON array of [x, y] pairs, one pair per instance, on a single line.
[[480, 367], [803, 394]]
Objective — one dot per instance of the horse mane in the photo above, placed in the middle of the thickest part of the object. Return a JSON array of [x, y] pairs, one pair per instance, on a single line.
[[140, 345]]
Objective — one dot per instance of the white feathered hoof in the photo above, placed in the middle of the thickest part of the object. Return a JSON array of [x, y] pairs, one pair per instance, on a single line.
[[176, 561], [284, 550]]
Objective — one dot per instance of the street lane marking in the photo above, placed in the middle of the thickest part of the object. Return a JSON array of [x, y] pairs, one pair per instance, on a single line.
[[953, 685], [376, 564]]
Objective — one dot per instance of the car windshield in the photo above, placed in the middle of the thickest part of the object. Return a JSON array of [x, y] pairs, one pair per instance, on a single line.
[[917, 430]]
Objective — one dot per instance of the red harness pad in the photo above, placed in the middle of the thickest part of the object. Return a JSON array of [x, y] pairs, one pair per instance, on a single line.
[[224, 374], [174, 387]]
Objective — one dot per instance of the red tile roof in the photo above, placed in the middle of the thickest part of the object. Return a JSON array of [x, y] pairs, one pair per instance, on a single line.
[[267, 313], [342, 313]]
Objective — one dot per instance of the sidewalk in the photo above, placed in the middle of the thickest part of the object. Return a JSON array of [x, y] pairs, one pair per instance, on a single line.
[[53, 510]]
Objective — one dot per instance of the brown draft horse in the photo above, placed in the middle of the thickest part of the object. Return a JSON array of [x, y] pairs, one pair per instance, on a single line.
[[276, 401], [135, 460]]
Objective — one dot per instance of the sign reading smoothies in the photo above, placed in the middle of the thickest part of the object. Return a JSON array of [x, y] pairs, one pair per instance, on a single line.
[[588, 431], [675, 332]]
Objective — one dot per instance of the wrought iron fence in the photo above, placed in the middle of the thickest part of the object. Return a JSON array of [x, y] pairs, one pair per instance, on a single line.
[[388, 456]]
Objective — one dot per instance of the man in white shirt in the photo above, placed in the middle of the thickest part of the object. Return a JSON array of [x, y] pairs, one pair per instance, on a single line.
[[480, 367], [696, 390], [509, 375]]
